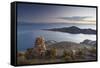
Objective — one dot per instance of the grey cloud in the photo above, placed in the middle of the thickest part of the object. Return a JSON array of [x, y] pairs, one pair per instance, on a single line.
[[75, 18]]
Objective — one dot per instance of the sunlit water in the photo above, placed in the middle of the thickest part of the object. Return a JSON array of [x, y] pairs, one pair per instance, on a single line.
[[26, 34]]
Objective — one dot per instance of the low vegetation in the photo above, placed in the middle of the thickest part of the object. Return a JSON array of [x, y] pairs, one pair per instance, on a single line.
[[67, 55], [53, 53]]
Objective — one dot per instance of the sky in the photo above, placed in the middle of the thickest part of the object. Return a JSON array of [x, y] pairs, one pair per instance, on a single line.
[[33, 13]]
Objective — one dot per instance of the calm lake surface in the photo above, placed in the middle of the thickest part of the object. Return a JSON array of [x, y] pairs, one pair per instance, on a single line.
[[27, 33]]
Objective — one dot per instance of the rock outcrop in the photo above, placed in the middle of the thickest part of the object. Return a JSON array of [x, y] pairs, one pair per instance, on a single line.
[[50, 42], [89, 42], [40, 47]]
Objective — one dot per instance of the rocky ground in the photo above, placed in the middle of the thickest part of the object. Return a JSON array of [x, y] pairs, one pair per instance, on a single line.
[[63, 52]]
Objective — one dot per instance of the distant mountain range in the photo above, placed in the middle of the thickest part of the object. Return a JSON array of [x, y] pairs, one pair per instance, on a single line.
[[73, 30]]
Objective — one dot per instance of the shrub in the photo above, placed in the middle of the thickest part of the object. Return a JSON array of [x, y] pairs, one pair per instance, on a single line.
[[53, 53], [80, 53], [47, 53], [67, 52], [21, 59], [29, 53], [67, 55], [93, 50]]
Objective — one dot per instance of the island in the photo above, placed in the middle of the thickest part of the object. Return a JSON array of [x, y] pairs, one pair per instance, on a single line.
[[73, 30]]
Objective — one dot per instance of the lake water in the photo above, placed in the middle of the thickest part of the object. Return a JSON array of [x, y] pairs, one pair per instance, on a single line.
[[26, 34]]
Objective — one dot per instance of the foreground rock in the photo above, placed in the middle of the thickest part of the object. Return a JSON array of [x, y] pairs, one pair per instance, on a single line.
[[40, 48], [74, 30]]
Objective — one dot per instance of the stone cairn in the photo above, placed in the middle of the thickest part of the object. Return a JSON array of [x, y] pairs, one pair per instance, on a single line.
[[40, 47]]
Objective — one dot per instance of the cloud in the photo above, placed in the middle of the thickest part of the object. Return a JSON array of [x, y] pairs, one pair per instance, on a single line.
[[76, 18]]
